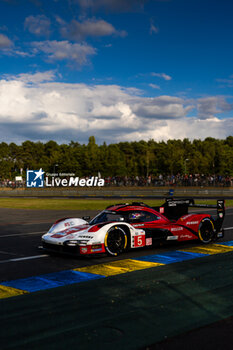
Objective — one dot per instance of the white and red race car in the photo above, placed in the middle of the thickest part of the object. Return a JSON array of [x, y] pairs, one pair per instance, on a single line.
[[126, 226]]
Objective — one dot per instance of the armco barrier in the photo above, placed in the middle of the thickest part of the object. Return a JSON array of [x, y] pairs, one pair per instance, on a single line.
[[124, 192]]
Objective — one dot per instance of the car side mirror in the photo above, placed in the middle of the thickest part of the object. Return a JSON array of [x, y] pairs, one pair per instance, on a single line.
[[86, 218]]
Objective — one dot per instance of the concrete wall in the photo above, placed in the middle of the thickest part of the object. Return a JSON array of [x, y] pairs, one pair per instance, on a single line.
[[120, 192]]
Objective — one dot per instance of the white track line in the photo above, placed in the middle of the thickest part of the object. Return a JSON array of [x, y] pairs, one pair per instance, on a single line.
[[3, 252], [25, 258], [22, 234]]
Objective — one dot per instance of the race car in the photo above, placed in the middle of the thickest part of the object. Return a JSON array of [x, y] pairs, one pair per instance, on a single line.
[[124, 226]]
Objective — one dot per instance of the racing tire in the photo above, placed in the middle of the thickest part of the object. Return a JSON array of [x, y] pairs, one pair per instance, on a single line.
[[115, 241], [206, 231]]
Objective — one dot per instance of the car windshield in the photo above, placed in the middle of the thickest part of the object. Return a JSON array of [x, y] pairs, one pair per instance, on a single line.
[[106, 216]]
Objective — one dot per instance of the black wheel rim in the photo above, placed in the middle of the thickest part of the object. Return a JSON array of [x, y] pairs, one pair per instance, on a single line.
[[115, 241], [207, 231]]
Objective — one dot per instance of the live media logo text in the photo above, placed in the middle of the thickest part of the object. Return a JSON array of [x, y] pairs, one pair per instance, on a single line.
[[37, 179]]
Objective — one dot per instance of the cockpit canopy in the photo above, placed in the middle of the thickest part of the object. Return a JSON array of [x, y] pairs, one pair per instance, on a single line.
[[107, 216]]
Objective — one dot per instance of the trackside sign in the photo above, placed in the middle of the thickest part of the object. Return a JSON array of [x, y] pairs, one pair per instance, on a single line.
[[38, 179]]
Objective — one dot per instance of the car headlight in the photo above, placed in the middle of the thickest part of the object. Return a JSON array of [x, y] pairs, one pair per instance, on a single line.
[[74, 243]]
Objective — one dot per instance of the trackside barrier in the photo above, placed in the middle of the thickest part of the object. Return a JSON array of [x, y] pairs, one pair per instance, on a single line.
[[124, 192]]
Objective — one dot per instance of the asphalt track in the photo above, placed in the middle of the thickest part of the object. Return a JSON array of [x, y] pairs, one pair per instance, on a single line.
[[178, 305]]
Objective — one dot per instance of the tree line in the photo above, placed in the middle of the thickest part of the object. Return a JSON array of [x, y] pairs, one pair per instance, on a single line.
[[137, 158]]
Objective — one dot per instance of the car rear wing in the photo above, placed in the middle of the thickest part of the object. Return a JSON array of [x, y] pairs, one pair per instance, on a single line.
[[173, 209], [220, 206]]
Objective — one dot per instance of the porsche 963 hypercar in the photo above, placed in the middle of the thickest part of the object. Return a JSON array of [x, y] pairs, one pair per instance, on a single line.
[[122, 227]]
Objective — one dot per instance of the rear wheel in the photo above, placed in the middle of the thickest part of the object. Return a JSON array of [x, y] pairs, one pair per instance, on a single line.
[[206, 230], [115, 241]]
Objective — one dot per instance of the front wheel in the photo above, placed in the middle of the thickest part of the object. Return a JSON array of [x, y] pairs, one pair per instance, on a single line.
[[115, 241], [206, 231]]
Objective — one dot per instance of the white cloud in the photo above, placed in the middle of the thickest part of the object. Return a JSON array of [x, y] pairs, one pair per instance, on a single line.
[[38, 25], [90, 27], [192, 128], [112, 5], [59, 111], [208, 107], [76, 54], [154, 86], [153, 28], [5, 42], [34, 78], [162, 107], [8, 48], [226, 82], [161, 75]]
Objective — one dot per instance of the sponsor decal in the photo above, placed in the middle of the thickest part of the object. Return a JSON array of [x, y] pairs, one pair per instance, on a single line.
[[89, 237], [177, 229], [172, 238], [67, 224], [185, 236], [83, 250], [96, 248], [148, 241], [172, 204], [192, 222], [37, 179]]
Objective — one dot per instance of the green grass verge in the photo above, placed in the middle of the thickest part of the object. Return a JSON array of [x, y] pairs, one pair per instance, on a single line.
[[78, 204], [63, 203]]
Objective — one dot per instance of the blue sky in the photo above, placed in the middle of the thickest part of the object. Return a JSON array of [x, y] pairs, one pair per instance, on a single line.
[[121, 70]]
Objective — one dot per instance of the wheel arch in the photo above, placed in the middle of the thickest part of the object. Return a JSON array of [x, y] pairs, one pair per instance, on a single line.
[[125, 230], [128, 234]]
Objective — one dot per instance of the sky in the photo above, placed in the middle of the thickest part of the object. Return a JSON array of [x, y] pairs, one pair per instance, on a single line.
[[119, 70]]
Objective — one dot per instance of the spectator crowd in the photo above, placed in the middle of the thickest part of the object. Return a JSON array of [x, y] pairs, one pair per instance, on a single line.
[[199, 180]]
